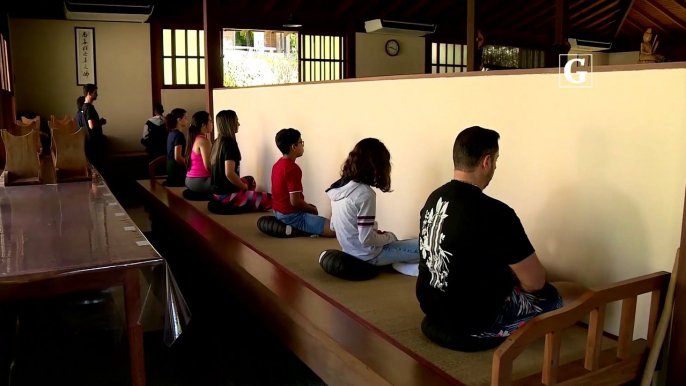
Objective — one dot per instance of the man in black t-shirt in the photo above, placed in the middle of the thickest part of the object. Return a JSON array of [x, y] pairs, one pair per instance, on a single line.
[[95, 139], [479, 273]]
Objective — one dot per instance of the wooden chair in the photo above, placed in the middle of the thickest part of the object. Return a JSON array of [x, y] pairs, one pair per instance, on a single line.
[[69, 126], [610, 367], [26, 121], [23, 128], [54, 121], [22, 166], [154, 165], [69, 155]]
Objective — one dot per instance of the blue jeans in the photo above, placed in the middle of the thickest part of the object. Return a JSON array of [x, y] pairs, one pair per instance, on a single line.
[[303, 221], [404, 251]]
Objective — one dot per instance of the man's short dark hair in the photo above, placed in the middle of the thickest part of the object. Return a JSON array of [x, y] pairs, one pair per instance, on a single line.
[[89, 89], [472, 145], [158, 107], [286, 138]]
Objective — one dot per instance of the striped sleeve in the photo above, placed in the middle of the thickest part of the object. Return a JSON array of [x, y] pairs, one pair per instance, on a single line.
[[366, 222]]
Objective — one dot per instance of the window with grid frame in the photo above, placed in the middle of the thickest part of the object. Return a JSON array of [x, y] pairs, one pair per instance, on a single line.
[[183, 58], [321, 58], [448, 58], [5, 82]]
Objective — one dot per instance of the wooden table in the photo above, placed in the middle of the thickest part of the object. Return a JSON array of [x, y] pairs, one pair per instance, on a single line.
[[58, 239]]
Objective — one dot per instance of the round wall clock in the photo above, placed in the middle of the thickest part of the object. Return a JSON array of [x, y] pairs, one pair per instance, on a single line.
[[392, 47]]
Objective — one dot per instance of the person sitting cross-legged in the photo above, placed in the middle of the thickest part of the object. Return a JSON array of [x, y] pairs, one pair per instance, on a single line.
[[288, 200], [479, 273]]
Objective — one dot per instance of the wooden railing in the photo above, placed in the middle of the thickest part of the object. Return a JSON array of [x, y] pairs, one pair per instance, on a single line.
[[594, 302]]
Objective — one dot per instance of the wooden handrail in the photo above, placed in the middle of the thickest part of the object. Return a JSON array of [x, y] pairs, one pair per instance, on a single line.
[[552, 323]]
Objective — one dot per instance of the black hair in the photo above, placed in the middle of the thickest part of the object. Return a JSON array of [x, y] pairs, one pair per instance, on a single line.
[[159, 108], [472, 145], [80, 101], [286, 138], [89, 89], [199, 119], [172, 119]]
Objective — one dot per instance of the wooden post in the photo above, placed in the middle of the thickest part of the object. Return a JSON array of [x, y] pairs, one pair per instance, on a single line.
[[472, 50], [350, 52], [213, 51], [676, 371], [156, 62], [561, 34]]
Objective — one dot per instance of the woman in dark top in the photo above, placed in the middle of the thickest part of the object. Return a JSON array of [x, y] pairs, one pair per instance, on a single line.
[[176, 121], [232, 194]]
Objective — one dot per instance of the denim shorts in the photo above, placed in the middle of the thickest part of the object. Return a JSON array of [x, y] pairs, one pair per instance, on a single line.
[[303, 221]]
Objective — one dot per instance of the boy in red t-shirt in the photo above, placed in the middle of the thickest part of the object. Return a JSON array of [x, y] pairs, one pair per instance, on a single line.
[[288, 201]]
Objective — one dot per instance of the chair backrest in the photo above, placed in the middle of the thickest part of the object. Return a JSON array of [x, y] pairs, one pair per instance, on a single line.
[[23, 128], [27, 121], [69, 126], [626, 366], [22, 161], [70, 154], [152, 168], [54, 120]]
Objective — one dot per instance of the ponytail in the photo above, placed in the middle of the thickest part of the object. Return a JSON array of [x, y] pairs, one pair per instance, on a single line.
[[172, 119]]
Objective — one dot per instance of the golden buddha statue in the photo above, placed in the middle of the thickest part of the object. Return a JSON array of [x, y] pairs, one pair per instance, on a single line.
[[648, 49]]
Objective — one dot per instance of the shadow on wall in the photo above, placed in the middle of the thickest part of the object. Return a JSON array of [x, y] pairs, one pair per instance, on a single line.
[[582, 222]]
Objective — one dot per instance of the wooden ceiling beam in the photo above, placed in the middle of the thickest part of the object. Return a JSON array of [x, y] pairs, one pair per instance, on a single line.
[[497, 17], [594, 14], [634, 24], [416, 7], [668, 14], [532, 19], [514, 18], [388, 10], [606, 26], [543, 21], [439, 9], [601, 20], [656, 24], [294, 6], [627, 9], [681, 4], [344, 7], [270, 4]]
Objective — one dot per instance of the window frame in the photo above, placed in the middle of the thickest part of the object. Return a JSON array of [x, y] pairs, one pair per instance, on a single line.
[[429, 59], [174, 57], [343, 54]]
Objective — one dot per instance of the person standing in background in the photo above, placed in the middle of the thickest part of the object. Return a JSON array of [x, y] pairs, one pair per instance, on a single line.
[[95, 139]]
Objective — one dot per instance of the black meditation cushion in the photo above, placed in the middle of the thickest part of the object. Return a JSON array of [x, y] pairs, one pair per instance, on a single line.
[[270, 226], [443, 335], [196, 196], [344, 266]]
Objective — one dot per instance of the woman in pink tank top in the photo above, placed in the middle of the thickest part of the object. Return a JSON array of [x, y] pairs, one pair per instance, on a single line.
[[198, 153]]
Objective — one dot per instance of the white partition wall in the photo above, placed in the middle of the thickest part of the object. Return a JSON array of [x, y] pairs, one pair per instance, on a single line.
[[596, 175]]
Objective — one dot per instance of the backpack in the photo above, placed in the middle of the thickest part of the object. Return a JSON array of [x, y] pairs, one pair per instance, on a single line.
[[156, 143]]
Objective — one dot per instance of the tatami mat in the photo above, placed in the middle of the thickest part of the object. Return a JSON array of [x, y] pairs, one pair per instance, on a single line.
[[389, 303]]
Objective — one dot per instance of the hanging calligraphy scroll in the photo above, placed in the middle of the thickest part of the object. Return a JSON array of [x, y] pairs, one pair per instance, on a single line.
[[85, 55]]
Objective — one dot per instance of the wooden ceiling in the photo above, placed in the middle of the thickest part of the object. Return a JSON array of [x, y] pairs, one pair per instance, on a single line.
[[527, 22]]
